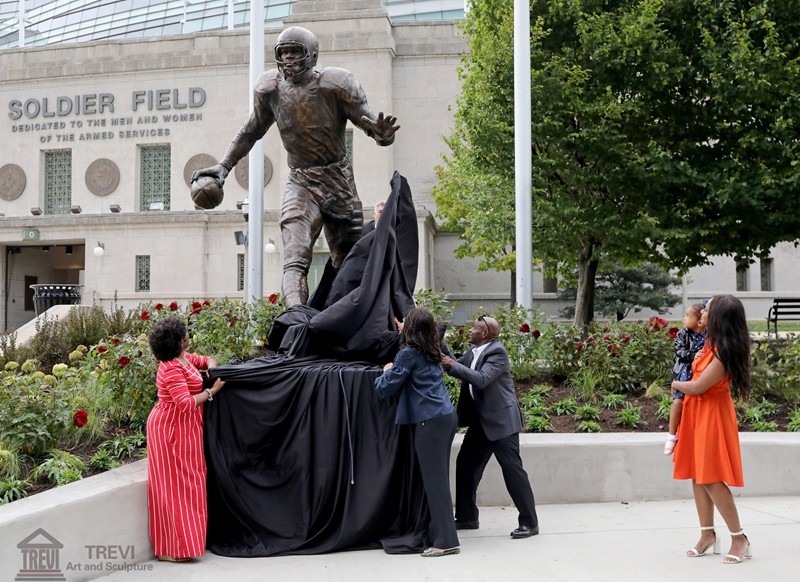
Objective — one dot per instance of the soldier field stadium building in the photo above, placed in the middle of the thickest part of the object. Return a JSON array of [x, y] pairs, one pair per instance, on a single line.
[[109, 106]]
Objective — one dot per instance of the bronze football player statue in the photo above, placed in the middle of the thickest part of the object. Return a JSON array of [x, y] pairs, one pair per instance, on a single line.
[[311, 108]]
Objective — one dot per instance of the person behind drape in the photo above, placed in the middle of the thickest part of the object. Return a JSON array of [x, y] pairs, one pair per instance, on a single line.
[[707, 451], [176, 468], [416, 377]]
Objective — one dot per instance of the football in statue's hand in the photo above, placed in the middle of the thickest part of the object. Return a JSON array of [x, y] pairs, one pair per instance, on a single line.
[[207, 192]]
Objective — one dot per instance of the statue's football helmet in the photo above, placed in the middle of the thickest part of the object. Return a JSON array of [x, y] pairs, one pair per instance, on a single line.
[[297, 37]]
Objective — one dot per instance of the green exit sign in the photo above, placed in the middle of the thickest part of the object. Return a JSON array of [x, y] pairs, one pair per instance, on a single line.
[[30, 234]]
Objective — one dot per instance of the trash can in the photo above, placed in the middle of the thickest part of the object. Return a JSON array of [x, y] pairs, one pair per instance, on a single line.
[[45, 295]]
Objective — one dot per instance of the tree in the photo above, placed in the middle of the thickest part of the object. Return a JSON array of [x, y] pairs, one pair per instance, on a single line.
[[619, 291], [663, 131]]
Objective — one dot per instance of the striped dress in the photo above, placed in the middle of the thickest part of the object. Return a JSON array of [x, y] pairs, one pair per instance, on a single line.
[[176, 467]]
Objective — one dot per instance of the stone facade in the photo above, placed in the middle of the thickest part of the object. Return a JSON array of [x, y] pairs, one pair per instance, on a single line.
[[104, 101]]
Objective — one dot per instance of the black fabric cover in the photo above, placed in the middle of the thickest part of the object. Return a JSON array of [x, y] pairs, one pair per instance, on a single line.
[[302, 455]]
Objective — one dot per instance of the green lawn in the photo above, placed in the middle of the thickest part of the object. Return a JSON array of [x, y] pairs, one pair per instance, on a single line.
[[760, 325]]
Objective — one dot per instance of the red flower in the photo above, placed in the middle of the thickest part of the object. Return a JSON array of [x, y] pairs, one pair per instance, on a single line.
[[207, 303], [657, 323], [607, 338], [158, 306], [611, 348], [525, 328], [101, 348], [116, 341], [673, 332], [80, 418], [145, 315], [173, 306], [273, 298], [124, 361], [626, 338], [605, 328], [197, 306], [536, 334], [579, 346]]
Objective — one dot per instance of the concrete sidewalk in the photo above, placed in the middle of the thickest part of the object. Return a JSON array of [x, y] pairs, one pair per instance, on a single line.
[[639, 541]]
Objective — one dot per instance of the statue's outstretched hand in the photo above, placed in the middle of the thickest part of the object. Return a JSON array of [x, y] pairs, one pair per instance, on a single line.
[[382, 129], [219, 172]]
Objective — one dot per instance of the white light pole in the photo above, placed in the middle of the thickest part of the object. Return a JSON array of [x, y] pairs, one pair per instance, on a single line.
[[522, 151], [21, 23], [255, 226]]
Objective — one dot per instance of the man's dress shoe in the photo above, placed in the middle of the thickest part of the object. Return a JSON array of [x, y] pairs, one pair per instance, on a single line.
[[524, 532]]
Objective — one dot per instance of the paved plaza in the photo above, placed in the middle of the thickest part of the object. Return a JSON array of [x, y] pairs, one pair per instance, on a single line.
[[640, 541]]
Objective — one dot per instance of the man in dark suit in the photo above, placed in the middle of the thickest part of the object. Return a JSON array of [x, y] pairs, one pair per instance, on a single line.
[[488, 406]]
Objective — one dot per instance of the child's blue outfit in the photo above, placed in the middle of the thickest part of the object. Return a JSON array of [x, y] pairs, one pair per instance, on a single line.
[[687, 344]]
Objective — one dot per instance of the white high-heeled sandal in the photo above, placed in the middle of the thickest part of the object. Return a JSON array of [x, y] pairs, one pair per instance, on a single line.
[[669, 446], [733, 558], [695, 553]]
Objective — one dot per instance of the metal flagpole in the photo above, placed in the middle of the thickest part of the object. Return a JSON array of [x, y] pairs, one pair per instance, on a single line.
[[255, 225], [522, 151]]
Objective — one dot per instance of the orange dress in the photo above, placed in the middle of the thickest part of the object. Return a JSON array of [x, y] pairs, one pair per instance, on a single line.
[[708, 436]]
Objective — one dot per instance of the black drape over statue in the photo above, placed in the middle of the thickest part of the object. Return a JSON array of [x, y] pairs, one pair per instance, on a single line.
[[302, 455]]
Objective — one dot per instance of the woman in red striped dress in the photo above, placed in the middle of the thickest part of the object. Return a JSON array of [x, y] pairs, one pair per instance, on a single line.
[[176, 467]]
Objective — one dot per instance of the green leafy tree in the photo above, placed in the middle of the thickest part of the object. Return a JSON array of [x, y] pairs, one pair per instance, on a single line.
[[662, 131], [620, 291]]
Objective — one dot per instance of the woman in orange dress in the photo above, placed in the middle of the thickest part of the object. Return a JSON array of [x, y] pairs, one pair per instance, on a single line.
[[176, 466], [708, 439]]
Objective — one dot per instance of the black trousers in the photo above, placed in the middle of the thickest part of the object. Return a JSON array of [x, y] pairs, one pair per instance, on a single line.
[[471, 461], [432, 441]]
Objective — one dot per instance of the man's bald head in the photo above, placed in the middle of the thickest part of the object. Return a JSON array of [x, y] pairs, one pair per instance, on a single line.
[[483, 330], [493, 327]]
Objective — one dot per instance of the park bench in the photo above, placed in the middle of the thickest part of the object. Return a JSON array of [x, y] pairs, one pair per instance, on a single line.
[[783, 309]]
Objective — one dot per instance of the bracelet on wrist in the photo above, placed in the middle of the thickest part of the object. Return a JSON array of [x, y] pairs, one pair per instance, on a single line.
[[210, 394]]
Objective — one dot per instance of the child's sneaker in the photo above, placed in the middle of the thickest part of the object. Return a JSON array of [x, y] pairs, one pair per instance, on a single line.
[[669, 446]]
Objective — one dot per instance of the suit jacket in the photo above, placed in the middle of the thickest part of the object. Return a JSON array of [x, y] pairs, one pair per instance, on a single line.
[[495, 403]]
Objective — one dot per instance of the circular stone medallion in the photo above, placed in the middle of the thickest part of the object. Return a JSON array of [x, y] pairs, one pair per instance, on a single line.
[[197, 162], [102, 177], [242, 171], [12, 182]]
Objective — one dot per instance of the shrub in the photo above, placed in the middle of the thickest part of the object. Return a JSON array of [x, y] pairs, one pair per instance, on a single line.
[[564, 407], [664, 408], [776, 369], [537, 423], [794, 420], [588, 426], [36, 409], [438, 303], [122, 377], [59, 469], [123, 447], [613, 401], [104, 461], [760, 411], [9, 463], [764, 426], [453, 386], [13, 489], [630, 417], [587, 412]]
